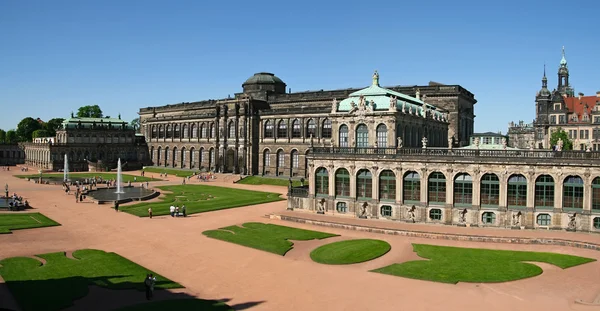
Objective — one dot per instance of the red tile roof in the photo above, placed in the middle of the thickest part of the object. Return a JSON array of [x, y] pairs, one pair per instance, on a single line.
[[578, 105]]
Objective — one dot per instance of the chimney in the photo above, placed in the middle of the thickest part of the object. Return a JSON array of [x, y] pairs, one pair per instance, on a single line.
[[598, 94], [580, 94]]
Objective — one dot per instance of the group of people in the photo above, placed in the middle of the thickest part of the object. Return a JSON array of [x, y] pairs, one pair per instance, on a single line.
[[17, 203], [175, 211]]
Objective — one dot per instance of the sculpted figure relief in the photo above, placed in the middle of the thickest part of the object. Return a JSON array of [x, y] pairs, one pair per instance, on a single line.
[[462, 216], [410, 213], [516, 218], [573, 221]]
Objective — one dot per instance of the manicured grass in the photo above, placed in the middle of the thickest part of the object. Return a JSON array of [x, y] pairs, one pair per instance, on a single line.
[[456, 264], [258, 180], [266, 237], [201, 198], [349, 252], [171, 171], [179, 304], [105, 176], [10, 222], [56, 284]]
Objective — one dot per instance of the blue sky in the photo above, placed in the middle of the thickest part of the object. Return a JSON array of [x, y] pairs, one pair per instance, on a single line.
[[56, 56]]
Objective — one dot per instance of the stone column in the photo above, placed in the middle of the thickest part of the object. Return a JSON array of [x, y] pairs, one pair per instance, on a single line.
[[449, 188], [503, 204], [587, 193], [331, 173], [558, 192], [352, 172], [476, 199], [375, 180], [531, 190], [424, 186], [399, 185]]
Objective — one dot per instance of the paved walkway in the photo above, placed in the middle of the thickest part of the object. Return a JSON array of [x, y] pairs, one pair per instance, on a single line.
[[256, 280]]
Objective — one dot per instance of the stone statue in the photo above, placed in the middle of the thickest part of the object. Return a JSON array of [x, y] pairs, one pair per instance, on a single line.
[[403, 107], [361, 103], [353, 104], [311, 139], [559, 144], [573, 222], [516, 219], [476, 142], [393, 103], [418, 94], [588, 149], [334, 106], [424, 111], [410, 213], [462, 216], [504, 143], [424, 141], [399, 142], [321, 206], [450, 142], [364, 210]]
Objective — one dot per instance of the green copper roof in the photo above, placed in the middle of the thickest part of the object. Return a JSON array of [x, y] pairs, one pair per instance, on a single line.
[[89, 122], [563, 61], [264, 78]]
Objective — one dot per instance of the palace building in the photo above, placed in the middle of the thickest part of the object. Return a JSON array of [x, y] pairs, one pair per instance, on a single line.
[[578, 115], [266, 131]]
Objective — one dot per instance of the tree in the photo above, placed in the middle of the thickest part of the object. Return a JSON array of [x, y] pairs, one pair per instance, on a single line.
[[560, 133], [135, 123], [2, 136], [91, 111], [52, 125], [26, 127], [40, 133], [11, 137]]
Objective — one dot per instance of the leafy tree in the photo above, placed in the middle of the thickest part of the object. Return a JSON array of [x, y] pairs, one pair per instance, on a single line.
[[40, 133], [11, 137], [90, 111], [2, 136], [135, 123], [560, 133], [52, 125], [26, 127]]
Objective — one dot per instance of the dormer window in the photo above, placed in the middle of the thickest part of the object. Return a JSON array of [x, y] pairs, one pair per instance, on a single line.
[[574, 118], [585, 118], [557, 106]]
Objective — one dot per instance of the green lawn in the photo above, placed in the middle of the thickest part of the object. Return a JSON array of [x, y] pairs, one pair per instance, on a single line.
[[455, 264], [171, 171], [179, 304], [10, 222], [105, 176], [56, 284], [258, 180], [267, 237], [201, 198], [349, 252]]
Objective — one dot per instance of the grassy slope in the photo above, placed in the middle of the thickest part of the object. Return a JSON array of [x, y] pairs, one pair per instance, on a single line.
[[201, 198], [10, 222], [61, 280], [258, 180], [456, 264], [349, 252], [105, 176], [267, 237]]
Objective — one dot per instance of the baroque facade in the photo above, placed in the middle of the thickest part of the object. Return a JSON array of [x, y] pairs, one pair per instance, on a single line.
[[578, 115], [11, 154], [89, 143], [266, 131]]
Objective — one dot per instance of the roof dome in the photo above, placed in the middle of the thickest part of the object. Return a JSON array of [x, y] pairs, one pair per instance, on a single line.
[[264, 81]]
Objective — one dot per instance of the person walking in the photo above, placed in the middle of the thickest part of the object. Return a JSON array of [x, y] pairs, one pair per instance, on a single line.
[[152, 283], [147, 286], [172, 210], [116, 206], [183, 210], [150, 212]]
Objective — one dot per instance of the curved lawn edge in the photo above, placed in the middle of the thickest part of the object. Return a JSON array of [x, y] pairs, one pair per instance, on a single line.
[[348, 252]]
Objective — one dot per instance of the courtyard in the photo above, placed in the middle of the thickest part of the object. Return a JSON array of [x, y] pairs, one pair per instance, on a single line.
[[248, 278]]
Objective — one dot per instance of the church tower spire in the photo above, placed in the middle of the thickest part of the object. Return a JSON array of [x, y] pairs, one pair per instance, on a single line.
[[564, 88]]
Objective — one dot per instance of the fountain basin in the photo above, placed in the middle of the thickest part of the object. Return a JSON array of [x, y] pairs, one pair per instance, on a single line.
[[108, 195]]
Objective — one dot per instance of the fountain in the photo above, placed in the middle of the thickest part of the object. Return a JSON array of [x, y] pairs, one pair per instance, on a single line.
[[66, 169], [119, 178]]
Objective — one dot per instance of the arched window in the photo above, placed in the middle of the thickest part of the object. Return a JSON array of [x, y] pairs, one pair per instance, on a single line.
[[203, 131], [342, 183], [211, 157], [268, 129], [167, 156], [158, 151], [311, 128], [326, 130], [282, 129], [193, 129], [174, 158], [364, 184], [192, 157], [436, 188], [295, 160], [412, 187], [154, 133], [544, 191], [185, 131], [517, 191], [176, 131], [201, 156], [490, 190], [488, 218], [343, 135], [573, 192], [168, 133], [296, 129], [280, 162], [381, 136], [267, 158], [321, 182], [183, 157], [231, 131], [387, 185], [213, 131], [543, 219], [463, 189], [362, 136], [596, 193], [161, 133]]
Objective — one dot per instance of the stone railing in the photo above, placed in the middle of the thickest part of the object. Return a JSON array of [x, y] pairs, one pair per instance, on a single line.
[[428, 153], [298, 192]]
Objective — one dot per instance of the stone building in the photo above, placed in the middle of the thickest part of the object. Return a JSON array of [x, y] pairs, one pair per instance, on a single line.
[[578, 115], [486, 185], [89, 143], [521, 135], [11, 154], [266, 131]]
